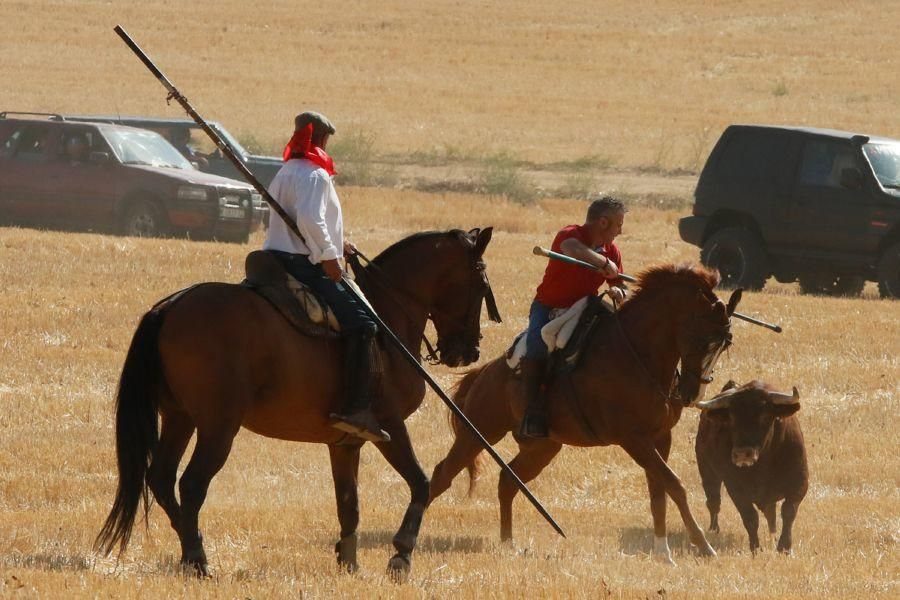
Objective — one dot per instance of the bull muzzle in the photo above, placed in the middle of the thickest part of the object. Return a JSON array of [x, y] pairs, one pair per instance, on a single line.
[[744, 457]]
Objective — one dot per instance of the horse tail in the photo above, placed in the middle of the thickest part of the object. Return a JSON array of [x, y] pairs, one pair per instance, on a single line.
[[460, 393], [137, 432]]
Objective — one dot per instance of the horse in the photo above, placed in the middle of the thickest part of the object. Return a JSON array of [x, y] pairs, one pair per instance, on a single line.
[[623, 391], [219, 357]]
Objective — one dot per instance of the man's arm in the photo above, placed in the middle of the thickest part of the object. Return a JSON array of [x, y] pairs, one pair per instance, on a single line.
[[577, 249], [311, 223]]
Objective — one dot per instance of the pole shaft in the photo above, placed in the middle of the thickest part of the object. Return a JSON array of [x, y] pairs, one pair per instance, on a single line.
[[565, 258]]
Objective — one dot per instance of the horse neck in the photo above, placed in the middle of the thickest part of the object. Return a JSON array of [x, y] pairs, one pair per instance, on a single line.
[[651, 329], [403, 298]]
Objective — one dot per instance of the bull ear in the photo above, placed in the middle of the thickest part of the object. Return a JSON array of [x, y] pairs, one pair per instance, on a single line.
[[482, 239], [730, 385], [734, 299]]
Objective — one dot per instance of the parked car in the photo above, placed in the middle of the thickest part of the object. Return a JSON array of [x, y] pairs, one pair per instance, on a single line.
[[815, 205], [105, 177], [196, 146]]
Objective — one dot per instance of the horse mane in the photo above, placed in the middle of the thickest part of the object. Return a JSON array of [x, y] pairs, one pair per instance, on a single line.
[[664, 278], [399, 246]]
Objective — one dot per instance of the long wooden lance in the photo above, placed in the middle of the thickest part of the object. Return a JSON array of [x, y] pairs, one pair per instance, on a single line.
[[574, 261], [174, 94]]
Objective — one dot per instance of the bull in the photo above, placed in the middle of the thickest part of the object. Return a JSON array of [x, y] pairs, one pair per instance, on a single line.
[[749, 437]]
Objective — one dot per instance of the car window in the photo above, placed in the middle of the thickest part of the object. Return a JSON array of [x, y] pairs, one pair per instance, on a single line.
[[823, 162], [885, 159], [756, 158], [77, 144], [33, 143], [9, 144], [136, 146]]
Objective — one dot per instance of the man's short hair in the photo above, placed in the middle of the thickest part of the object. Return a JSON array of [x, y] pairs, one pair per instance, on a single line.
[[604, 206]]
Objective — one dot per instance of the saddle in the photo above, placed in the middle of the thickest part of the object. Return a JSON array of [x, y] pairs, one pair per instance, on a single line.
[[266, 276], [597, 315]]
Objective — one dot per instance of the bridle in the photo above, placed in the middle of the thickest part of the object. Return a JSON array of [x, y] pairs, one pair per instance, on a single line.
[[703, 377], [377, 276]]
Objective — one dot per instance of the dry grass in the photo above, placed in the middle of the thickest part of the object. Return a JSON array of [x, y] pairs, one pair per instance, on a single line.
[[648, 83], [69, 307]]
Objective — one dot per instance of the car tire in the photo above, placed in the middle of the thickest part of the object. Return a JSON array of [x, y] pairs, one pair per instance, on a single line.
[[739, 256], [829, 284], [143, 218], [889, 273]]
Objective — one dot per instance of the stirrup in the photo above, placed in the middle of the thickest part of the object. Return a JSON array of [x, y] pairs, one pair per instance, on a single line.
[[361, 424]]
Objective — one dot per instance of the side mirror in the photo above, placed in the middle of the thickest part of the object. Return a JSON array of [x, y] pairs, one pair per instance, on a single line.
[[99, 158], [851, 178]]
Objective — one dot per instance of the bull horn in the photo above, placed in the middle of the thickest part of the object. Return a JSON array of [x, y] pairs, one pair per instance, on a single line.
[[718, 401], [781, 398]]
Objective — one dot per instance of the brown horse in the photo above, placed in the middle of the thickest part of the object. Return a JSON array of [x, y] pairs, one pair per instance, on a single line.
[[619, 394], [220, 357]]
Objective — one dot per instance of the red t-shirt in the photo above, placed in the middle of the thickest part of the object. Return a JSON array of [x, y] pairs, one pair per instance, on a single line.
[[564, 284]]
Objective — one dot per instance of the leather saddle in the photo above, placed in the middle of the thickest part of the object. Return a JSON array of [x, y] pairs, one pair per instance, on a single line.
[[266, 276]]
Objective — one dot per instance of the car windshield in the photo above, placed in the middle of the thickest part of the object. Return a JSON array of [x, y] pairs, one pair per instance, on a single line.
[[885, 159], [229, 139], [136, 147]]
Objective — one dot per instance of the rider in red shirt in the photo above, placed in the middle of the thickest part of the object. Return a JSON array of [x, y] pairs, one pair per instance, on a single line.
[[563, 285]]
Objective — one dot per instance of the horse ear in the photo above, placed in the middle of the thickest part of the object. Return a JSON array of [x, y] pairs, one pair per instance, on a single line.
[[482, 239]]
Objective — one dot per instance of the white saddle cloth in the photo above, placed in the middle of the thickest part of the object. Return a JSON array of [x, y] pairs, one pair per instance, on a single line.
[[556, 333]]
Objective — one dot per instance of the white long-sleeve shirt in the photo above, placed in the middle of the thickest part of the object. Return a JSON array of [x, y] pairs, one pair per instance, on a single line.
[[306, 192]]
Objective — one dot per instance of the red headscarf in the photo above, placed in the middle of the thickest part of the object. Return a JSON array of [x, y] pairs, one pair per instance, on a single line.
[[301, 146]]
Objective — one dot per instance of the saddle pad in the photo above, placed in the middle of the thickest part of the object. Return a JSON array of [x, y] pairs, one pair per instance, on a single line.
[[566, 332]]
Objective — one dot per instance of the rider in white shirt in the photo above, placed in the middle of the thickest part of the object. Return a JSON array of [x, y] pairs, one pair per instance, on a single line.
[[305, 190]]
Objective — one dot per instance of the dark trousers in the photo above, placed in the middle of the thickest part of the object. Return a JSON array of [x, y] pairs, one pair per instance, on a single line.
[[350, 313]]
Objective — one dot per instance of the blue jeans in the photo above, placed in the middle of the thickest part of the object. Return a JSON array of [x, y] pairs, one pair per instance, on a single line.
[[353, 317], [539, 316]]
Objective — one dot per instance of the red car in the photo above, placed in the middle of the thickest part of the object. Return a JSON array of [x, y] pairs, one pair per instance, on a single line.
[[104, 177]]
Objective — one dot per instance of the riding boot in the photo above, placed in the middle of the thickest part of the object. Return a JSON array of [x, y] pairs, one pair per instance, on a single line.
[[534, 423], [356, 416]]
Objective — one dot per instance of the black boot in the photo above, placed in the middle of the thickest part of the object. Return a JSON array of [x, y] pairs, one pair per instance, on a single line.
[[534, 423], [356, 414]]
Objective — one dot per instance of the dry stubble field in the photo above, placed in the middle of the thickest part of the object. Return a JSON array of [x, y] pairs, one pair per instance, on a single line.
[[69, 307]]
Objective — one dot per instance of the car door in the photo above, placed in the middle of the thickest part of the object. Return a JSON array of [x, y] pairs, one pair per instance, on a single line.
[[823, 214], [26, 190], [86, 186]]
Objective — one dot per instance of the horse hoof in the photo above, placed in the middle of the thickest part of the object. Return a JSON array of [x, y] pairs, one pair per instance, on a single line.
[[346, 553], [705, 550], [664, 559], [398, 568], [197, 569]]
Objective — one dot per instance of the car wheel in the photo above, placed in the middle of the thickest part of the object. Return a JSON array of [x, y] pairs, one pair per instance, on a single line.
[[829, 284], [739, 256], [889, 273], [143, 218]]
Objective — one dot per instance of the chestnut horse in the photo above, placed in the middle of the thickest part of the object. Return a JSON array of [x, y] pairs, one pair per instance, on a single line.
[[618, 394], [220, 357]]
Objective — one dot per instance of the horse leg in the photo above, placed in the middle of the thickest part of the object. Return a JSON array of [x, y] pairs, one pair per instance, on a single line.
[[345, 471], [400, 454], [463, 455], [533, 456], [177, 429], [647, 456], [208, 458], [657, 489]]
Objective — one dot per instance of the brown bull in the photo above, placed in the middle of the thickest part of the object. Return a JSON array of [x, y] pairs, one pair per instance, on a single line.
[[749, 438]]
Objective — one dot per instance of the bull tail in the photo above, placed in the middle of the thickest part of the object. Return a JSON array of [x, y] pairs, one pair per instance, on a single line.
[[460, 394], [137, 432]]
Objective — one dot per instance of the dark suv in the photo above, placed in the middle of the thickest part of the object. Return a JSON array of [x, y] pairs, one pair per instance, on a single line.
[[195, 145], [815, 205], [106, 177]]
